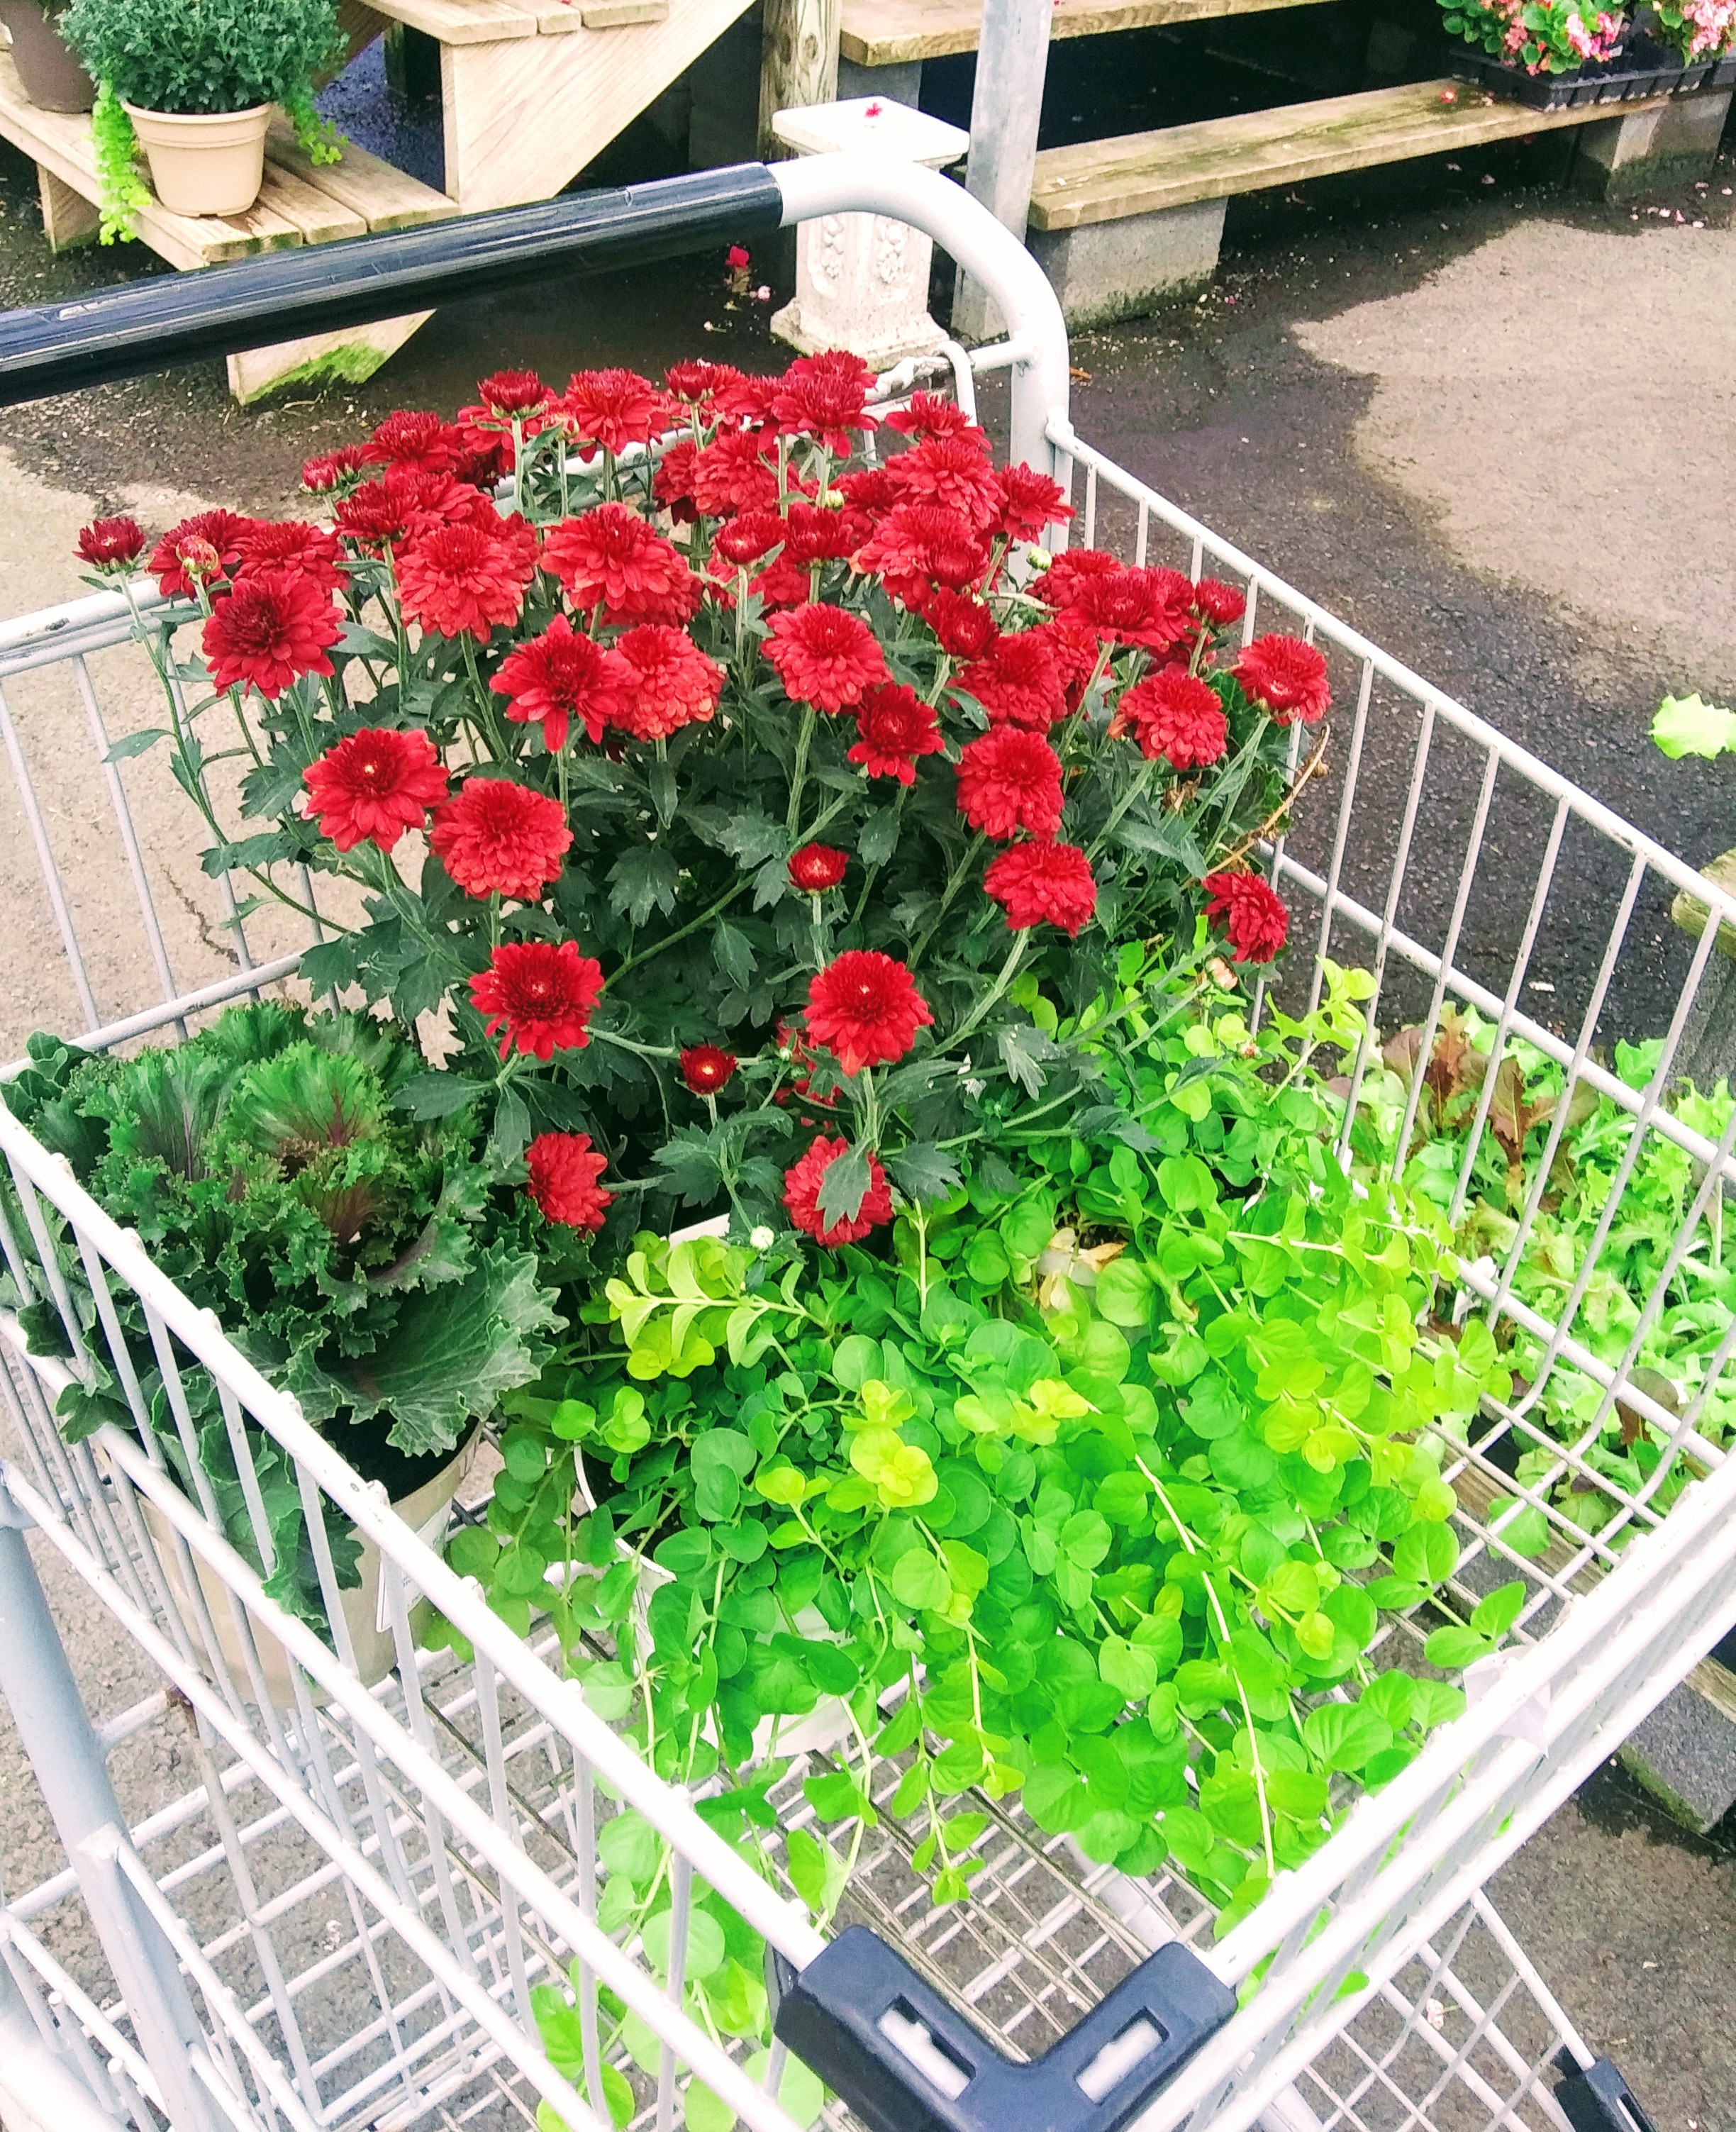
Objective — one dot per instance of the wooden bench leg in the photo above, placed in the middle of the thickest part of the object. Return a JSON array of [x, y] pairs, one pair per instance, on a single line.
[[348, 357], [68, 218], [1671, 144], [1125, 269]]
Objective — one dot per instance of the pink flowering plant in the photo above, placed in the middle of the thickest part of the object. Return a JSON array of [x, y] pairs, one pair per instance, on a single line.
[[1542, 36], [1697, 30], [747, 808]]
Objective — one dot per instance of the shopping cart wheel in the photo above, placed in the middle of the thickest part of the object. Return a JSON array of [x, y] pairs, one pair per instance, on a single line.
[[1597, 2099], [904, 2061]]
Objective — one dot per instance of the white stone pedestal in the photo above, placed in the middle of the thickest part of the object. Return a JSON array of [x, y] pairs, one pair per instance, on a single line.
[[862, 280]]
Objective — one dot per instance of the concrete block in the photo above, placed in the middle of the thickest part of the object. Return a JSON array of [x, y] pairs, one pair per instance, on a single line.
[[1685, 1756], [1106, 271], [902, 84], [1668, 145]]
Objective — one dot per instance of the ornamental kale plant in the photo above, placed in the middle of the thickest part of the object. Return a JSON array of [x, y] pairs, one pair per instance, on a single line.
[[368, 1263], [1101, 1491], [714, 788]]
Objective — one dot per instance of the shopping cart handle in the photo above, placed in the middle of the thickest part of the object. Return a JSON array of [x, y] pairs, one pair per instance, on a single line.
[[1599, 2099], [904, 2061]]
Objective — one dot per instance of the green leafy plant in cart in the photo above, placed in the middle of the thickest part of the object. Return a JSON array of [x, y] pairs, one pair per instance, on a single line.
[[1605, 1217], [1096, 1495], [369, 1263]]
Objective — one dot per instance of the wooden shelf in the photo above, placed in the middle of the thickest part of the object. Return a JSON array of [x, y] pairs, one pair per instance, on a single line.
[[895, 32], [1138, 173]]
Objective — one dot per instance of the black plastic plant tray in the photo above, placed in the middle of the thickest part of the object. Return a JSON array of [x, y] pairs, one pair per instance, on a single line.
[[1644, 70]]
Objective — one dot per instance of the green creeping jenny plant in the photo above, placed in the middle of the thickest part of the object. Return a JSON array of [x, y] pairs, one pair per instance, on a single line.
[[199, 55], [1094, 1491], [365, 1263]]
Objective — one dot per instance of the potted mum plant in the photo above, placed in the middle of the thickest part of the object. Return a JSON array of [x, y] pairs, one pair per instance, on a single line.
[[194, 81], [369, 1263], [48, 69]]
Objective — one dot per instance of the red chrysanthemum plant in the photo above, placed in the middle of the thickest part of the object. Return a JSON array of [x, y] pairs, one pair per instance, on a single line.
[[710, 784]]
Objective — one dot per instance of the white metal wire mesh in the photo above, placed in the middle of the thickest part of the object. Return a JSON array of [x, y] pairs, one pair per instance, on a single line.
[[369, 1880]]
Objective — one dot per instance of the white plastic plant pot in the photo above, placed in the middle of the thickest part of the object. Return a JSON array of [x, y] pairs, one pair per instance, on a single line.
[[204, 162], [427, 1510]]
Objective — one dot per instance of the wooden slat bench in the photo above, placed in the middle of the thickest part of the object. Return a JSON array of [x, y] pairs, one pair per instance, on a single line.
[[1121, 224]]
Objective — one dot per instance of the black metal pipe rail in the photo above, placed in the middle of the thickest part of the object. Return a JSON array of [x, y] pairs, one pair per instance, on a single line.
[[156, 324]]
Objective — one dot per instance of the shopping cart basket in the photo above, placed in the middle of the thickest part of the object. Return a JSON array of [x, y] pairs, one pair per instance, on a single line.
[[346, 1919]]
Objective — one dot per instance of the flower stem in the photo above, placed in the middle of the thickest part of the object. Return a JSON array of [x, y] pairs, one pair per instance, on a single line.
[[1015, 955], [804, 740]]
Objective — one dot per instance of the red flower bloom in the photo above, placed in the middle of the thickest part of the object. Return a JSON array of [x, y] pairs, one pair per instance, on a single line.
[[560, 676], [1174, 715], [1151, 607], [1043, 885], [817, 534], [221, 531], [111, 544], [487, 453], [294, 545], [965, 627], [825, 656], [268, 632], [784, 583], [865, 1008], [1218, 603], [373, 786], [613, 408], [747, 538], [919, 547], [466, 580], [1060, 583], [331, 470], [1287, 677], [822, 395], [706, 1069], [670, 682], [731, 474], [746, 401], [1018, 683], [870, 488], [1010, 780], [738, 258], [497, 838], [952, 473], [672, 485], [542, 995], [610, 557], [697, 381], [1075, 650], [419, 442], [802, 1195], [929, 415], [402, 504], [509, 393], [817, 867], [564, 1168], [895, 727], [1029, 501], [1254, 919]]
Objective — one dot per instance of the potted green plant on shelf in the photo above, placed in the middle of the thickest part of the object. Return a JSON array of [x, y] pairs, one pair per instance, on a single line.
[[49, 70], [195, 84]]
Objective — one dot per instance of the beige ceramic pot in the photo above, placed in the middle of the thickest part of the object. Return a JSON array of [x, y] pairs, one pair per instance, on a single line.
[[204, 162], [427, 1512]]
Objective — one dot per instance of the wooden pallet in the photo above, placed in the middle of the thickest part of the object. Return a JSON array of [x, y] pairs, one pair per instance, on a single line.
[[299, 203], [898, 32], [1175, 166]]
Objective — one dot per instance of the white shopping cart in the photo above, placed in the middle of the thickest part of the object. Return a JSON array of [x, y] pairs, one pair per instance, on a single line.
[[343, 1916]]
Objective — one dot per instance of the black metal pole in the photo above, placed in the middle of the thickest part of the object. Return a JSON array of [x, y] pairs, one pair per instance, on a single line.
[[222, 310]]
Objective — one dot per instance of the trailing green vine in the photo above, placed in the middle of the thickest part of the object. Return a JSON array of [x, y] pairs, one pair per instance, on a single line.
[[121, 191]]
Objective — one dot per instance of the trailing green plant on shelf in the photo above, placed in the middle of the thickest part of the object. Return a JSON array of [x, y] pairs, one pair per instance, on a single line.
[[722, 791], [1100, 1490], [370, 1264], [191, 57]]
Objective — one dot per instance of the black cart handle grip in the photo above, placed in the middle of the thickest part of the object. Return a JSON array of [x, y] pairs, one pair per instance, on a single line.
[[905, 2061]]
